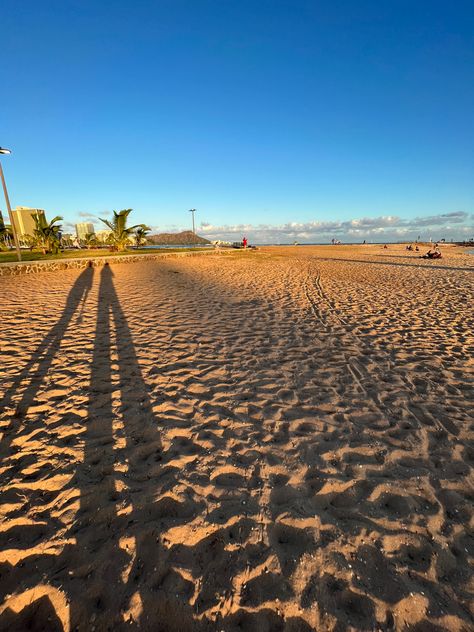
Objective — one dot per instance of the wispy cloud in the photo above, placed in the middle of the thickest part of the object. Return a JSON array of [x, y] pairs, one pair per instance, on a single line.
[[67, 227], [455, 225], [87, 215]]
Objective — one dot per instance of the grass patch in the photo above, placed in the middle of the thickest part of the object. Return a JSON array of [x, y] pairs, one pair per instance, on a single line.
[[26, 255]]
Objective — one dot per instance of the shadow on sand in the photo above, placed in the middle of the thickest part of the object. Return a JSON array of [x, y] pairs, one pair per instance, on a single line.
[[117, 575], [36, 370], [417, 263], [117, 571]]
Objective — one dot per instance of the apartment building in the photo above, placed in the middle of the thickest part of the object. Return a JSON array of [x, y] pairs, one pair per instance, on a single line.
[[23, 221], [83, 229]]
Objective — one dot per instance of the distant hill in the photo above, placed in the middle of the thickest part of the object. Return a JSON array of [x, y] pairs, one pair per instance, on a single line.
[[176, 239]]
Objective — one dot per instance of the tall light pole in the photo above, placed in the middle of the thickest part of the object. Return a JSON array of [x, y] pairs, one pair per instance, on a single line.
[[7, 201], [193, 210]]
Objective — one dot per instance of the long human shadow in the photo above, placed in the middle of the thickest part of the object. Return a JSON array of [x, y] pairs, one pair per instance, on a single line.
[[95, 479], [36, 369], [95, 569], [121, 442]]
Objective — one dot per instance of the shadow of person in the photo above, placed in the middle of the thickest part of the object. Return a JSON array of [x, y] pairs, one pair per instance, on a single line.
[[40, 614], [117, 553], [36, 369], [114, 570]]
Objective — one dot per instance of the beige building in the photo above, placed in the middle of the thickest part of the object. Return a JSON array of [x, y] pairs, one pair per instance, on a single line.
[[83, 229], [23, 221], [102, 235]]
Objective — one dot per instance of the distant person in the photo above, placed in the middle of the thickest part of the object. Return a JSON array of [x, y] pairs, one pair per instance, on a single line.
[[432, 254], [244, 242], [385, 246]]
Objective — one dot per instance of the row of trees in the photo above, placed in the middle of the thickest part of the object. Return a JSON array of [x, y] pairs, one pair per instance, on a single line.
[[47, 235]]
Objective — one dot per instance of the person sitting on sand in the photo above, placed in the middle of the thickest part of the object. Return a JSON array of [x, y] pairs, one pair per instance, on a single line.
[[432, 254]]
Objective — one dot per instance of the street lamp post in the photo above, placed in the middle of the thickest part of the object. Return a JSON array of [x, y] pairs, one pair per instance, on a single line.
[[7, 201], [193, 210]]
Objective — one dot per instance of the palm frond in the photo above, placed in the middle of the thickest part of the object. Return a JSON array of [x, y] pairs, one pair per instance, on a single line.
[[107, 223]]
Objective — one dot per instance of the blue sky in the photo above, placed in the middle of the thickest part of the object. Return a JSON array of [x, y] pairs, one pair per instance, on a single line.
[[280, 118]]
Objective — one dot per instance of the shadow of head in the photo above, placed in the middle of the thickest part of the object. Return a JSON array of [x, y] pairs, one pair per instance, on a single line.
[[38, 615]]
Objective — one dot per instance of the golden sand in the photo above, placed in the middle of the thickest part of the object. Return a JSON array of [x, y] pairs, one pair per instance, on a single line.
[[272, 440]]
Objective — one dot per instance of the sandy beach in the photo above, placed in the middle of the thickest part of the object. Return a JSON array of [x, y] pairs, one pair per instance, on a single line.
[[265, 441]]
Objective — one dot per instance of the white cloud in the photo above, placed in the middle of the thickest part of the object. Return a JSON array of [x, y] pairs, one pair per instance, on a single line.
[[455, 225]]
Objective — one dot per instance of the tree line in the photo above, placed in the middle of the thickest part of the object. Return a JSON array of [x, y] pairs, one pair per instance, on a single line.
[[47, 235]]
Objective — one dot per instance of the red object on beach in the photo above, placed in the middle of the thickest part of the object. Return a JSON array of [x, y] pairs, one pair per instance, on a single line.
[[244, 242]]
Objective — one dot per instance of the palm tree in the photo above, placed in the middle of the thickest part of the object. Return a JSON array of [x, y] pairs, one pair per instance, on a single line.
[[47, 233], [27, 241], [6, 233], [140, 235], [90, 240], [120, 235]]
